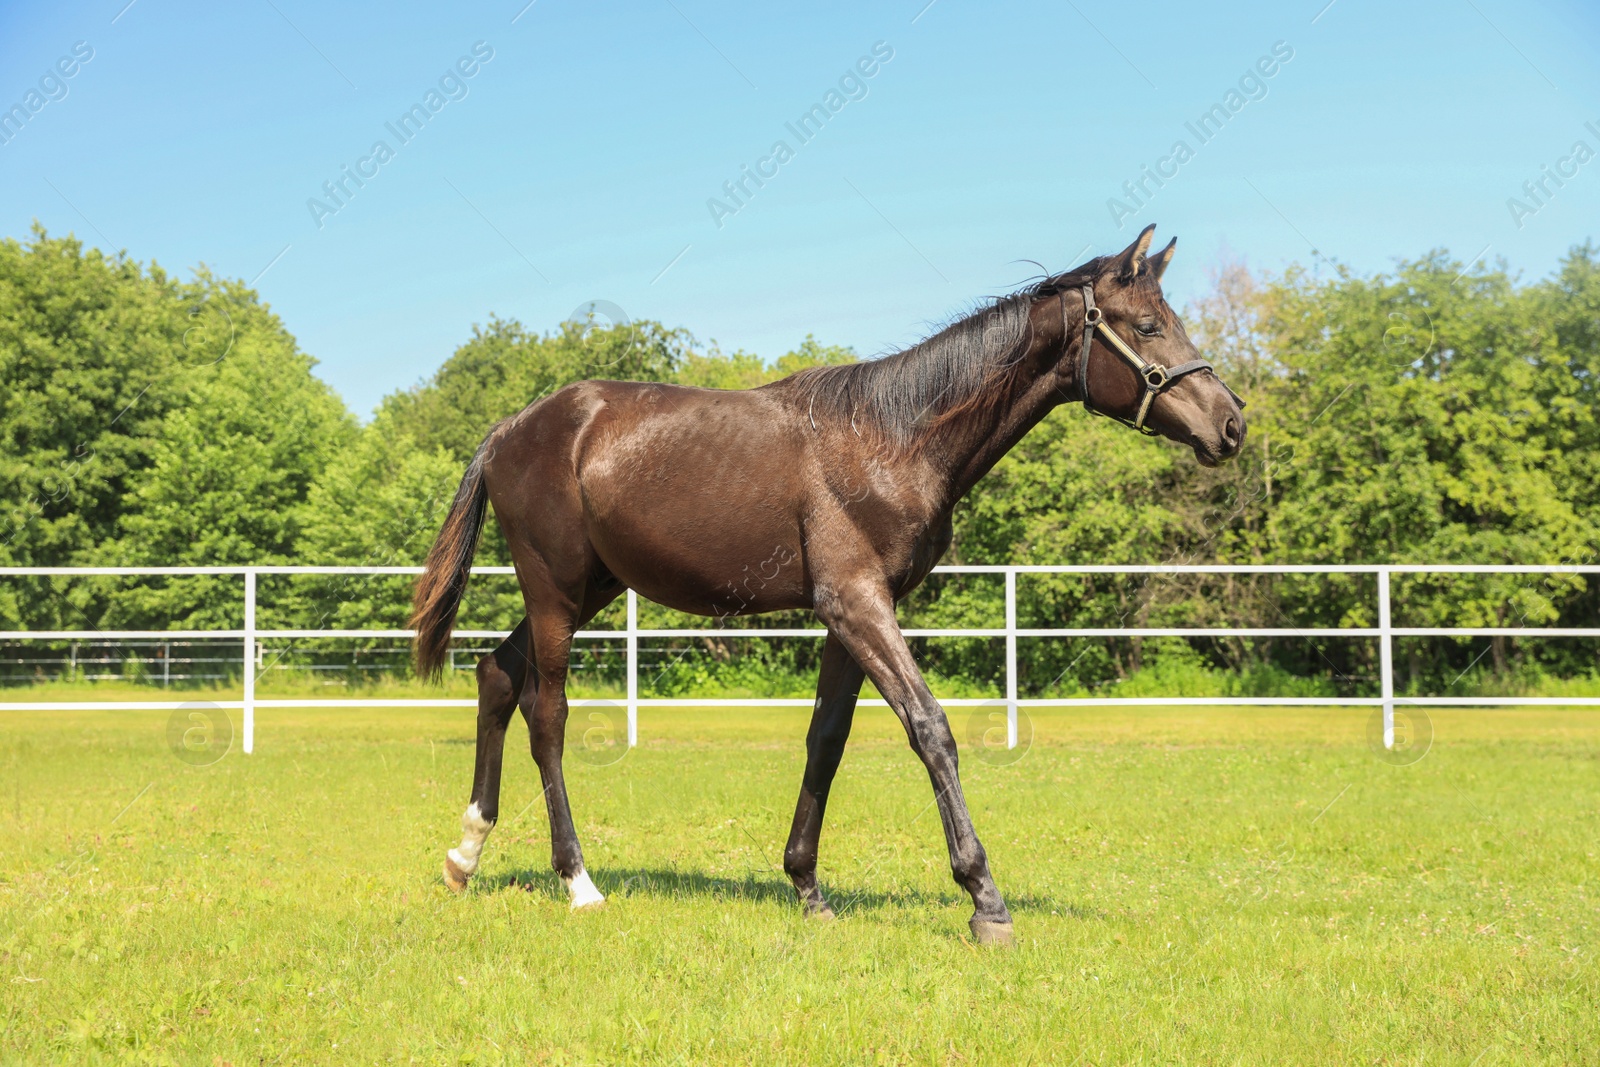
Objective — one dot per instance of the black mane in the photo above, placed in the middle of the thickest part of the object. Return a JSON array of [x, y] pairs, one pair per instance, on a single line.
[[902, 393]]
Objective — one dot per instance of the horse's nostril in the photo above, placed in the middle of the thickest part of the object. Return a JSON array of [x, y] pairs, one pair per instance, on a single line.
[[1230, 432]]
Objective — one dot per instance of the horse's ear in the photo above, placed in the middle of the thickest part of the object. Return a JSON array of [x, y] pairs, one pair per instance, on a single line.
[[1132, 258], [1159, 261]]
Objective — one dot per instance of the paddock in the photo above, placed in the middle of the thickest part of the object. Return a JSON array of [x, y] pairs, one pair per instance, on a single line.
[[1189, 885], [1266, 881]]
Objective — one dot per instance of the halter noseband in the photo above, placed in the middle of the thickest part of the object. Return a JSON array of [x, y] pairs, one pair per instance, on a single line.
[[1154, 379]]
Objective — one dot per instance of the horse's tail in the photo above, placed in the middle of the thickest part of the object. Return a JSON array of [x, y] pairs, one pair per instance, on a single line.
[[449, 565]]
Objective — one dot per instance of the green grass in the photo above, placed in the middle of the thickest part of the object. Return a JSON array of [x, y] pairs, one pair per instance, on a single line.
[[1188, 887], [741, 681]]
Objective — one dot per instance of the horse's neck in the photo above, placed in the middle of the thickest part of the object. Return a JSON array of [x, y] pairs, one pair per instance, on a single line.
[[998, 434], [969, 447]]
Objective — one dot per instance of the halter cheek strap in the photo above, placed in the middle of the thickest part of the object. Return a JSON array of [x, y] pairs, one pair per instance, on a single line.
[[1154, 379]]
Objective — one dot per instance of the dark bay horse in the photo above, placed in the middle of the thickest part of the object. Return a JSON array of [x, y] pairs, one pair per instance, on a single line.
[[838, 482]]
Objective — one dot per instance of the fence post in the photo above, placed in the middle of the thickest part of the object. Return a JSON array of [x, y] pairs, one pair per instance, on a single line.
[[1011, 658], [1386, 657], [249, 661], [633, 668]]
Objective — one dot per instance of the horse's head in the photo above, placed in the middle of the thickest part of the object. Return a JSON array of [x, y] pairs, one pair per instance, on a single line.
[[1138, 365]]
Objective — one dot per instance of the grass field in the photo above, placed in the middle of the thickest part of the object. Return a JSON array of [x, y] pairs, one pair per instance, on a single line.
[[1188, 887]]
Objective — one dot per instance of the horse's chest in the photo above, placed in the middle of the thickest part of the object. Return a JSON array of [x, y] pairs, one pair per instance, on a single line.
[[926, 551]]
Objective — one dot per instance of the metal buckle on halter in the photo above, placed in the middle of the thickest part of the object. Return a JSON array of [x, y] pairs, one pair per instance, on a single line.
[[1155, 376]]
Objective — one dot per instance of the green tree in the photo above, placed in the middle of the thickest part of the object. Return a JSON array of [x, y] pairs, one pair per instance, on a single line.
[[148, 421], [379, 503], [504, 367]]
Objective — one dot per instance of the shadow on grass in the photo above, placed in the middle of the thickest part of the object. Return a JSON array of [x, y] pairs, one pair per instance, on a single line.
[[757, 887]]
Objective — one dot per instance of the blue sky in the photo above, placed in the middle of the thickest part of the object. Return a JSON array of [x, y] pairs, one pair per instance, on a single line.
[[577, 163]]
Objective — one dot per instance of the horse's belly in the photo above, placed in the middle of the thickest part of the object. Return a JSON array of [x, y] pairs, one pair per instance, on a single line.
[[698, 510], [723, 580]]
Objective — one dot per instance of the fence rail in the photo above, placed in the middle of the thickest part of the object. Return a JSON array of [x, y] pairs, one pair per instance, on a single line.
[[1385, 632]]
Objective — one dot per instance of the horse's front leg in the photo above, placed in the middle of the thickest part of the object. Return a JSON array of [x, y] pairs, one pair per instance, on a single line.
[[501, 676], [838, 685], [862, 617]]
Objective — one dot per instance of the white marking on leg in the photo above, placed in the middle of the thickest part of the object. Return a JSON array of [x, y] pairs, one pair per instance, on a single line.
[[474, 832], [583, 891]]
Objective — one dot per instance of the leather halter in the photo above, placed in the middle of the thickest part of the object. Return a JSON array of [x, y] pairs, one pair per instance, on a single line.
[[1154, 379]]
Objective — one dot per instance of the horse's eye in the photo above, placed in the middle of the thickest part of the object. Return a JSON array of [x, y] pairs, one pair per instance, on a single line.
[[1147, 329]]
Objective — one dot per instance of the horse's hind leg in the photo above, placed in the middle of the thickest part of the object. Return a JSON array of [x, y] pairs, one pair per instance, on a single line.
[[838, 685], [501, 676], [547, 724]]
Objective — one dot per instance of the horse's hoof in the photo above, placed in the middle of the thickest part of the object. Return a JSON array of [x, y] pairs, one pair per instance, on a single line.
[[583, 892], [990, 933], [455, 877], [821, 913]]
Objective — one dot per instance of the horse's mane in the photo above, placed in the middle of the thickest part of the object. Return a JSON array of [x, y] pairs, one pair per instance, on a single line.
[[962, 367]]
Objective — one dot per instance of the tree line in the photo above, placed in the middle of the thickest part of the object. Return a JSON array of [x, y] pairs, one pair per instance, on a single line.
[[1431, 413]]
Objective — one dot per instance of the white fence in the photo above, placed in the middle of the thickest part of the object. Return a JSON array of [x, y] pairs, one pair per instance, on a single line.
[[251, 635]]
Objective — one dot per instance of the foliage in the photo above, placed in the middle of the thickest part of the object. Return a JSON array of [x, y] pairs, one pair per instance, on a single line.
[[1427, 414], [716, 369], [148, 421], [378, 505]]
